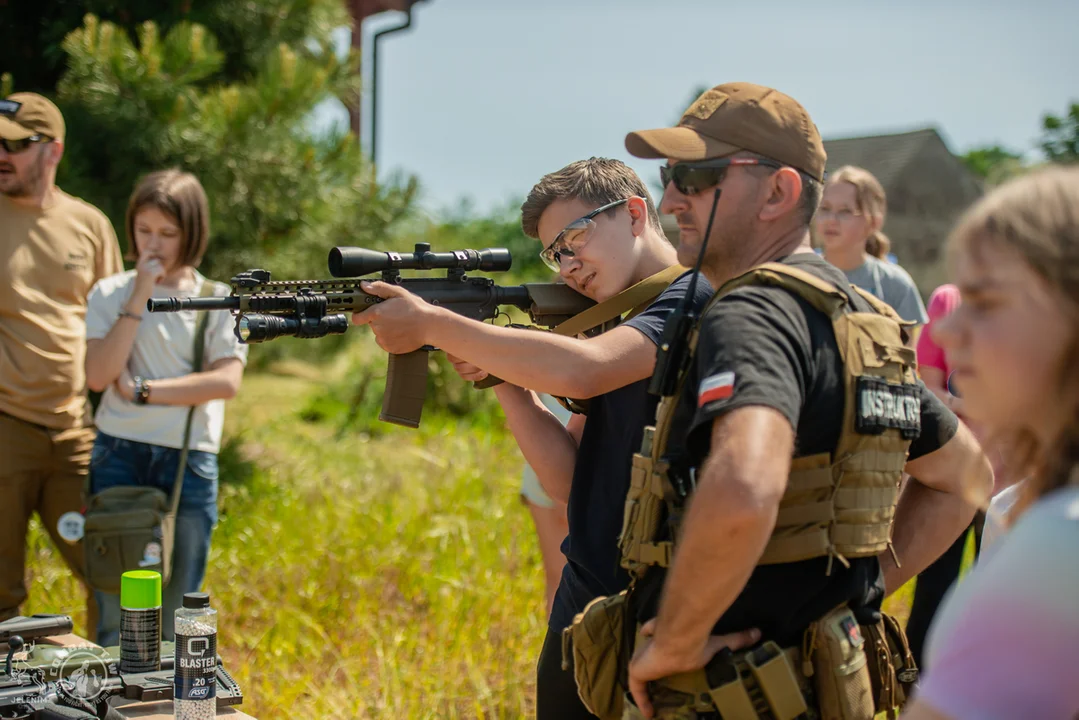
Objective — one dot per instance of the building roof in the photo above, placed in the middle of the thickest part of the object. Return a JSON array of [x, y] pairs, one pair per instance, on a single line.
[[883, 155]]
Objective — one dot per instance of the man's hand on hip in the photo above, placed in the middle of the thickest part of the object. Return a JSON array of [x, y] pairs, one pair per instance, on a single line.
[[653, 661]]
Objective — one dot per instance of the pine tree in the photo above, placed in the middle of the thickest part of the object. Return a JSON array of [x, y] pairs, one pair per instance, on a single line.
[[237, 119]]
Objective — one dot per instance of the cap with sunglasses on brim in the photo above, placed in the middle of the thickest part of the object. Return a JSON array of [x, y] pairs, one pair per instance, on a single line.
[[738, 116], [24, 115]]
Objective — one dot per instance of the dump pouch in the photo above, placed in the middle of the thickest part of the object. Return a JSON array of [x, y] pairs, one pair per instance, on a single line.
[[596, 645]]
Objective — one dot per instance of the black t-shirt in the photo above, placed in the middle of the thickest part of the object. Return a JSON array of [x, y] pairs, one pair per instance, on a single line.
[[612, 433], [782, 354]]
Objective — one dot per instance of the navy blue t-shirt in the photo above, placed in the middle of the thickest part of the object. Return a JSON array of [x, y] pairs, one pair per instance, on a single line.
[[612, 433]]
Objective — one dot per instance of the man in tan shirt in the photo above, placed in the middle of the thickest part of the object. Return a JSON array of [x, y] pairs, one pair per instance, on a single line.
[[53, 248]]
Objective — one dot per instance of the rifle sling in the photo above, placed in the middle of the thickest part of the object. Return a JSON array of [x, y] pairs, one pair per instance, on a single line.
[[634, 298], [207, 290]]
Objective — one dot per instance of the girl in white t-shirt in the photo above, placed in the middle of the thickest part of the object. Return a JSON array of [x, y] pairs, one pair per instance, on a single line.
[[144, 364], [1005, 643]]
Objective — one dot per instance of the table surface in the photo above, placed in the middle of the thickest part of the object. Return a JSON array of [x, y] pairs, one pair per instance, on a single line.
[[131, 709]]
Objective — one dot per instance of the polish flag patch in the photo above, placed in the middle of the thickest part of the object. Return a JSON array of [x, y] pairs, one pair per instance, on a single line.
[[715, 387]]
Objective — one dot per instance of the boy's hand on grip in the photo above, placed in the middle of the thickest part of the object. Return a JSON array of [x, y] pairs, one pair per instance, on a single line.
[[399, 321]]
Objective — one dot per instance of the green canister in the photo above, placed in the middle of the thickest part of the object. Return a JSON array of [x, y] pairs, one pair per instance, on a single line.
[[140, 621]]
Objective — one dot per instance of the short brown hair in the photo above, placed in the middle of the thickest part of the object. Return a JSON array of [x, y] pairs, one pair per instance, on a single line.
[[180, 195], [596, 181]]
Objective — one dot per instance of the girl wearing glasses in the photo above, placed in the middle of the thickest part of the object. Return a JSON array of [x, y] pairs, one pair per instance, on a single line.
[[1005, 643], [848, 225]]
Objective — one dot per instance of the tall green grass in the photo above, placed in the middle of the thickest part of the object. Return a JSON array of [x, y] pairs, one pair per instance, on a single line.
[[364, 570], [394, 575]]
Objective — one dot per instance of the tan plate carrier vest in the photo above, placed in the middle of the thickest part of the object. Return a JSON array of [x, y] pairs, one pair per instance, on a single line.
[[839, 505]]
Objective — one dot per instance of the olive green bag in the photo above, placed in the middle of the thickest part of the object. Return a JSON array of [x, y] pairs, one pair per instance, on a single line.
[[132, 527]]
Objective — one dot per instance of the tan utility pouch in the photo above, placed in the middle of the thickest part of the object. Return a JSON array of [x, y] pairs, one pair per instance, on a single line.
[[642, 515], [840, 669], [595, 643], [892, 671]]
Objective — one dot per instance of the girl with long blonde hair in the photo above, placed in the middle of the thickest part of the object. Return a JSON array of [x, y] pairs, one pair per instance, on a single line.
[[1006, 642]]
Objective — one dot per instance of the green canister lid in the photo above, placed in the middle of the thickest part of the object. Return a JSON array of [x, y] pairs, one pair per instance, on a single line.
[[140, 589]]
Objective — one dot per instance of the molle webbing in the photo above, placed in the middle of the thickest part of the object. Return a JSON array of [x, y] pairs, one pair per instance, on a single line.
[[842, 504], [650, 491]]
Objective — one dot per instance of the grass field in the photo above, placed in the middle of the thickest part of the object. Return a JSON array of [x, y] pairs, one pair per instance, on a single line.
[[385, 574]]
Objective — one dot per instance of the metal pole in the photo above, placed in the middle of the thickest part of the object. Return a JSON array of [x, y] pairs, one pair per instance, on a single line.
[[374, 79]]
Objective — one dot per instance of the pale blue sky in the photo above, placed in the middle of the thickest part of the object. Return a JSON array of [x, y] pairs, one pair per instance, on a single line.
[[481, 97]]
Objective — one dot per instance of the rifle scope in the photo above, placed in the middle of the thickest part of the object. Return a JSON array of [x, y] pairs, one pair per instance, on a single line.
[[354, 261]]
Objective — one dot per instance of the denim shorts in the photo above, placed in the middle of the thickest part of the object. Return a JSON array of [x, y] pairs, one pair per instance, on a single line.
[[115, 462]]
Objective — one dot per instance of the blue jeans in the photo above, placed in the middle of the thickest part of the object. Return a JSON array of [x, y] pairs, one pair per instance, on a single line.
[[125, 462]]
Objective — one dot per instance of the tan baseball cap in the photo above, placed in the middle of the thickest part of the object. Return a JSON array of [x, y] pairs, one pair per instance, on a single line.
[[738, 116], [24, 115]]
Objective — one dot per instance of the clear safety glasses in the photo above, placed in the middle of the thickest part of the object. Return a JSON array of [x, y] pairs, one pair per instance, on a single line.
[[573, 237]]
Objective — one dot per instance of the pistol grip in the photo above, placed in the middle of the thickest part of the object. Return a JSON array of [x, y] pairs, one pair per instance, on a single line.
[[406, 388]]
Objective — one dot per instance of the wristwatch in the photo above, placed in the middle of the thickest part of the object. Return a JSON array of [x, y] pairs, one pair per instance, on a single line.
[[142, 390]]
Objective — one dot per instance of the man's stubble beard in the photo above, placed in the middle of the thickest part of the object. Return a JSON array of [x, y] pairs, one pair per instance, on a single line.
[[728, 248], [31, 184]]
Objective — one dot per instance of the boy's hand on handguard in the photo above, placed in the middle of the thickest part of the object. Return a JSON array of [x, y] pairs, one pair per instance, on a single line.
[[399, 321], [467, 370]]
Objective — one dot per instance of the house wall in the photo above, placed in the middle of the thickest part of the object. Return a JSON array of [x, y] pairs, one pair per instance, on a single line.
[[924, 202]]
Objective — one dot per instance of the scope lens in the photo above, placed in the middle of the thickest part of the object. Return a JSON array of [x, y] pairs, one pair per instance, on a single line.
[[354, 261], [495, 260]]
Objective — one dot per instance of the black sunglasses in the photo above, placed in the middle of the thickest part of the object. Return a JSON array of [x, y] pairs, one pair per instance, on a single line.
[[17, 146], [692, 178]]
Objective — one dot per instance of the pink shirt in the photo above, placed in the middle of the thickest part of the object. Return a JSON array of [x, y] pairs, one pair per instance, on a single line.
[[942, 302]]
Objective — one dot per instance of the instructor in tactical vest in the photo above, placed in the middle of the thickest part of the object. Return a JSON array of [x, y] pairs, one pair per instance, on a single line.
[[778, 449]]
